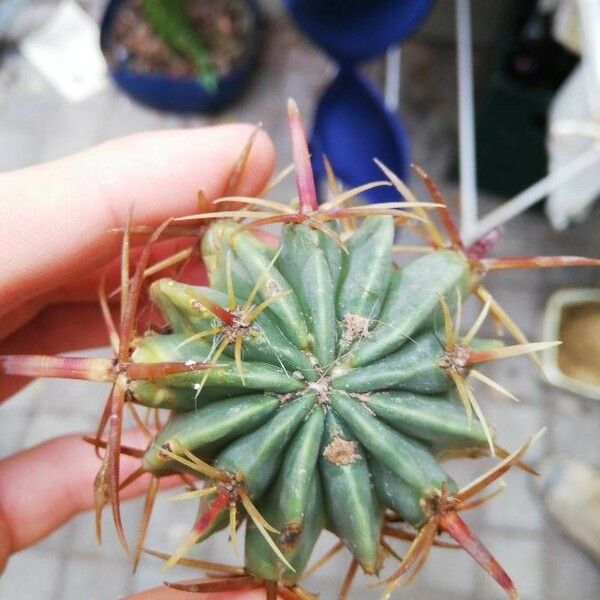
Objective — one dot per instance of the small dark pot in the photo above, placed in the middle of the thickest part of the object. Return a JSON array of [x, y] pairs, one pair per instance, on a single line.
[[179, 94]]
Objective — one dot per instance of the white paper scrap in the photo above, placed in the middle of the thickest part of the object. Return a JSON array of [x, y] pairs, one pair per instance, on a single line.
[[66, 51]]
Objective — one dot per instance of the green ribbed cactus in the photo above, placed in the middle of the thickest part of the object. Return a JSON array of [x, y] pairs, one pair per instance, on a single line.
[[312, 384]]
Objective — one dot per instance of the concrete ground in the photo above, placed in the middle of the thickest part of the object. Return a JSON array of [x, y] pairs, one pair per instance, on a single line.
[[37, 125]]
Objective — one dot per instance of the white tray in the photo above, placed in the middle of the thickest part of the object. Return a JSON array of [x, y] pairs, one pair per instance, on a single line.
[[551, 331]]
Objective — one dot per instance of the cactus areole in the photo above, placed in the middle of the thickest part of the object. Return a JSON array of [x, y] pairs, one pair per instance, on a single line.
[[312, 384]]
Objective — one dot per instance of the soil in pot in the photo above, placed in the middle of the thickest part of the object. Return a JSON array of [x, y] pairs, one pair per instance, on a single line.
[[224, 27], [579, 354]]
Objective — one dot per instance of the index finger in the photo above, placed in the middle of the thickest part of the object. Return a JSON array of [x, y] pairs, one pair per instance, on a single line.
[[55, 219], [167, 593]]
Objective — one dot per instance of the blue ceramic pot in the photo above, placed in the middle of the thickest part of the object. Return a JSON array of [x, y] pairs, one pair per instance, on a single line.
[[355, 30], [178, 94], [351, 127]]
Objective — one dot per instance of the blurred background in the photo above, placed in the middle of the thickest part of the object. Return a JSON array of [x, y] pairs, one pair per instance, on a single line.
[[372, 78]]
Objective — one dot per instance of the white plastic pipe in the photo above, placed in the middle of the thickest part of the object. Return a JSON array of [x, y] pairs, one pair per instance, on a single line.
[[533, 194], [466, 118], [393, 66]]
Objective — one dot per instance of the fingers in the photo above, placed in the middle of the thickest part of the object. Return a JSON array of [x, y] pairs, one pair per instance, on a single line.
[[55, 218], [43, 487], [76, 324], [85, 288], [55, 330], [18, 317], [166, 593]]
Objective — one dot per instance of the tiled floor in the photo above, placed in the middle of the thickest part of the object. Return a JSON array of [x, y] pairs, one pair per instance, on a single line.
[[36, 125]]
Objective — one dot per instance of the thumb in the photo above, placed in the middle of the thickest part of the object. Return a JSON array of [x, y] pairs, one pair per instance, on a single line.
[[55, 218], [167, 593]]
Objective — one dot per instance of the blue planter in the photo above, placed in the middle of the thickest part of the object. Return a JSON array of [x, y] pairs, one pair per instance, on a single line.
[[352, 126], [178, 94], [355, 30]]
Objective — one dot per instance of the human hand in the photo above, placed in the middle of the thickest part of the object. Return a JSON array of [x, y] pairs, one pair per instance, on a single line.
[[166, 593], [55, 222]]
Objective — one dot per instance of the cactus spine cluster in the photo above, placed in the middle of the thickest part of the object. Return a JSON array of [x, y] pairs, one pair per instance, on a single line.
[[313, 384]]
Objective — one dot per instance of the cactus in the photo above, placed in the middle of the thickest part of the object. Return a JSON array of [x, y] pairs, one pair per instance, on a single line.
[[170, 22], [313, 384]]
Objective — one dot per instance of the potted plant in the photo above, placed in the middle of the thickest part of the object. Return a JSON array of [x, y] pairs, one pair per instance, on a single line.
[[313, 384], [573, 316], [181, 55], [352, 123]]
